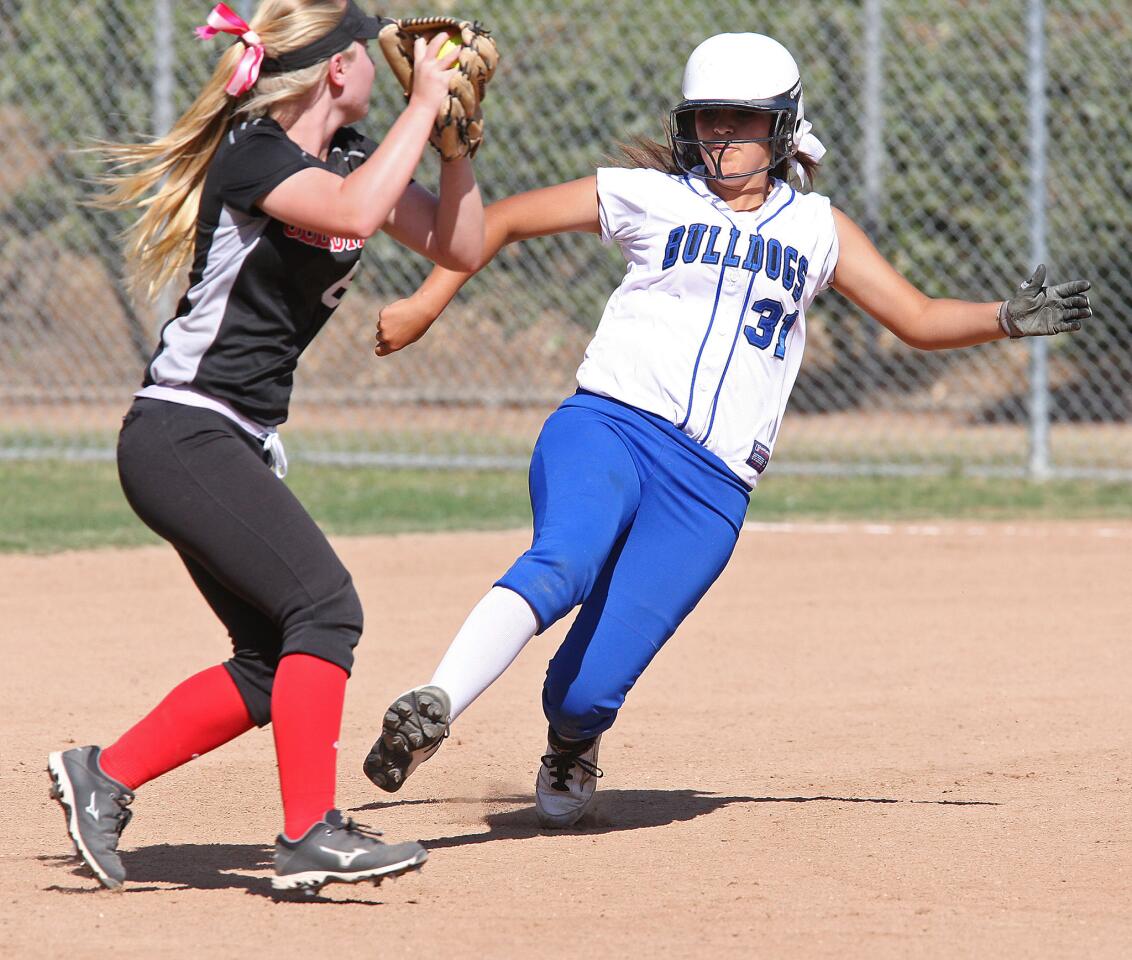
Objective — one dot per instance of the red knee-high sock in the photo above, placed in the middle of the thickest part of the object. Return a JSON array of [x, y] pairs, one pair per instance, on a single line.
[[197, 716], [306, 715]]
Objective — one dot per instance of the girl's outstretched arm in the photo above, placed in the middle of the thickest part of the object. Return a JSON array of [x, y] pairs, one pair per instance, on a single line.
[[864, 276], [566, 208]]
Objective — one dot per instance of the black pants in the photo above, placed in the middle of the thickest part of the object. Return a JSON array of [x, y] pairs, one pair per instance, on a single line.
[[266, 569]]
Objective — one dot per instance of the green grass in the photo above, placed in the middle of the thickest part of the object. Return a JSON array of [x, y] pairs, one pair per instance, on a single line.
[[944, 497], [47, 506]]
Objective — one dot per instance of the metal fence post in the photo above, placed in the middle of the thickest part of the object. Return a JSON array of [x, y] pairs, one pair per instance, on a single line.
[[873, 145], [1039, 466], [163, 115], [874, 113]]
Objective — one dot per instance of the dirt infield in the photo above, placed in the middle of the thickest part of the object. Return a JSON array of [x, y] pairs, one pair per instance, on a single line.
[[866, 742]]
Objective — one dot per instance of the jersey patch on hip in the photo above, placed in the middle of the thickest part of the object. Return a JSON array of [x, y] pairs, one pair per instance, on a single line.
[[759, 458]]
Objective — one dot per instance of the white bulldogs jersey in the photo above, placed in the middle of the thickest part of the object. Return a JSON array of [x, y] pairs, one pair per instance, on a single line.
[[708, 325]]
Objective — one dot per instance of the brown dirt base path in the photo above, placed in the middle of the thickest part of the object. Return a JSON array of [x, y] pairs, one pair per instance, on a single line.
[[866, 742]]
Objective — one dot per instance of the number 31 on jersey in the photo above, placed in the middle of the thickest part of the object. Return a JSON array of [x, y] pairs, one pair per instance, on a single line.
[[770, 312]]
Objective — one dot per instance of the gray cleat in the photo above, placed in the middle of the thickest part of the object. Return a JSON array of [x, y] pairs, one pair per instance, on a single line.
[[567, 780], [96, 809], [335, 850], [415, 726]]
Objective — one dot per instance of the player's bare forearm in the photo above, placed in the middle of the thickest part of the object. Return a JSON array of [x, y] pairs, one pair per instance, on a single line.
[[459, 217], [442, 284], [448, 229], [404, 322], [866, 278], [947, 324], [373, 190], [358, 205], [565, 208], [871, 282]]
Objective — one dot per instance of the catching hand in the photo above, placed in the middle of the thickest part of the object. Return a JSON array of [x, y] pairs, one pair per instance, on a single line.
[[432, 74], [458, 129], [1039, 311]]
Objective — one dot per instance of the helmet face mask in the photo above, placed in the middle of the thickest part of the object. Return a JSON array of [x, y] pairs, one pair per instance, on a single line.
[[703, 158], [737, 71]]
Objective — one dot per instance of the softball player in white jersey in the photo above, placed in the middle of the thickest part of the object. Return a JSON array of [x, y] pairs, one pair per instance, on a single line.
[[639, 483]]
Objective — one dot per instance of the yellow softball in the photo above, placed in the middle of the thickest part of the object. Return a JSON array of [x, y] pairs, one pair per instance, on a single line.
[[446, 48]]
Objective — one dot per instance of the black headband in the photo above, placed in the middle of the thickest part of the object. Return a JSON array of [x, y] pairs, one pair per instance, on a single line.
[[354, 25]]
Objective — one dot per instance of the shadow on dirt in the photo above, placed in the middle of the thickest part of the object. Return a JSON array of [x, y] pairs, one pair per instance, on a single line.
[[226, 866], [617, 810], [195, 866]]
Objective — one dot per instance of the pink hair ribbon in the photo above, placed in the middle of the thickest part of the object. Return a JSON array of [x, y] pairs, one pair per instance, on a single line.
[[224, 20]]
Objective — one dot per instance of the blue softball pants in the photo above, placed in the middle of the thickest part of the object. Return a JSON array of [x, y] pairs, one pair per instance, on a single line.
[[634, 521]]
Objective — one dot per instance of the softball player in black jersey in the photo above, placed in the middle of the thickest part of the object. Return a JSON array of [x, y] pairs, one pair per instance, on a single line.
[[270, 193]]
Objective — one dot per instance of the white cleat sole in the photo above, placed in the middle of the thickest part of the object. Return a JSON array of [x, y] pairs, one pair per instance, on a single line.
[[314, 880], [63, 791], [561, 821]]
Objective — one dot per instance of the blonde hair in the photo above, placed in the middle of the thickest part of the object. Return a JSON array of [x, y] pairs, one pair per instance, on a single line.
[[164, 176]]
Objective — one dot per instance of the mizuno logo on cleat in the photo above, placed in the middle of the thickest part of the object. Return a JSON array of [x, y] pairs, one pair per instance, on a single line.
[[92, 809], [345, 857]]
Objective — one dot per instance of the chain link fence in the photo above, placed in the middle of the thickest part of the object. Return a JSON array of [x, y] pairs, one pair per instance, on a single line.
[[969, 138]]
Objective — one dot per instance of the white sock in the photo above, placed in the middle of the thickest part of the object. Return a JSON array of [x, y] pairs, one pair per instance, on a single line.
[[498, 627]]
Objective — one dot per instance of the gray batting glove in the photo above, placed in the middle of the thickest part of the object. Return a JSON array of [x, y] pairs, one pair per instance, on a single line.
[[1038, 311]]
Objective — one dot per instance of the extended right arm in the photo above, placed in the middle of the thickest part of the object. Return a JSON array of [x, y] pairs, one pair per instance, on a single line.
[[566, 208]]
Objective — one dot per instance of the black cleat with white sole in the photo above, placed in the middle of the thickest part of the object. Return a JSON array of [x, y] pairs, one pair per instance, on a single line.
[[96, 808], [414, 727], [337, 850]]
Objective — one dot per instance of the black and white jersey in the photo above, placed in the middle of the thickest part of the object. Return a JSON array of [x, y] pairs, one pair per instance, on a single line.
[[259, 290]]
